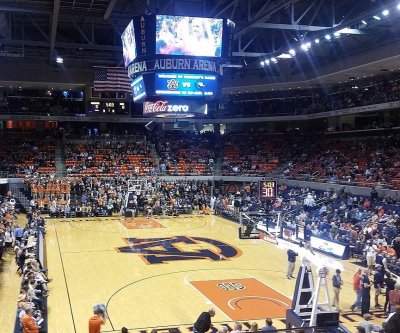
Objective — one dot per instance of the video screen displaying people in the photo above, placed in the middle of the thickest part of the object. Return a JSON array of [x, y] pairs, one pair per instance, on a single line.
[[129, 44], [190, 36]]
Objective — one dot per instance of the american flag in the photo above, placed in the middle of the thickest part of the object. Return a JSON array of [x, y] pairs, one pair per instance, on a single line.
[[111, 79]]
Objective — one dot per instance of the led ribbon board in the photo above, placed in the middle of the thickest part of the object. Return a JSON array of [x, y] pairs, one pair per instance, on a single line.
[[186, 85]]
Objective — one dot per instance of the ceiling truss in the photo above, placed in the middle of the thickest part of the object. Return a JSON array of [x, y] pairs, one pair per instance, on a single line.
[[90, 32]]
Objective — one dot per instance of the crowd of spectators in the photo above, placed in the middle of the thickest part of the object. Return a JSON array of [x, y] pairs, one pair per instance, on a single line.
[[371, 162], [300, 101], [360, 222], [170, 198], [31, 302], [185, 153], [364, 162], [332, 214], [21, 242], [352, 220], [337, 215], [104, 196], [34, 155], [108, 158], [256, 153]]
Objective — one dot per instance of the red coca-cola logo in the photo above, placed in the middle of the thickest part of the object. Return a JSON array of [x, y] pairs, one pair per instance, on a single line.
[[164, 106], [159, 106]]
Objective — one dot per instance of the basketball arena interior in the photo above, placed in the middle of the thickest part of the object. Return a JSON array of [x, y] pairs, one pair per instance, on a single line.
[[199, 166]]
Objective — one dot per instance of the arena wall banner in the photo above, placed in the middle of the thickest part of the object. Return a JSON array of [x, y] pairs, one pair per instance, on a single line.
[[330, 247], [232, 187]]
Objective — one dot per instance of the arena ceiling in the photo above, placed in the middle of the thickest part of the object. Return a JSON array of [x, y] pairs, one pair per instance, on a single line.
[[87, 32]]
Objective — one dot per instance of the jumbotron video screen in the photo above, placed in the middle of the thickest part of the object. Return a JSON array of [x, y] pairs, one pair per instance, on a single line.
[[188, 36]]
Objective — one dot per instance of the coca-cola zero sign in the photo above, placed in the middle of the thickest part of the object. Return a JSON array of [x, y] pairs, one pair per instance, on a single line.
[[164, 107]]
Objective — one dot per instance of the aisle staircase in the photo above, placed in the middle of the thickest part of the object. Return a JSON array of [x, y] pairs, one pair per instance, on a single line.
[[20, 194], [154, 155], [219, 156], [61, 170], [277, 172]]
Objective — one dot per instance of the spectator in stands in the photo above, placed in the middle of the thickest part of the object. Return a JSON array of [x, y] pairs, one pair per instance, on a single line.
[[224, 329], [268, 326], [2, 244], [253, 327], [27, 322], [237, 328], [394, 298], [97, 320], [393, 323], [390, 251], [8, 238], [370, 250], [22, 300], [18, 233], [29, 286], [311, 101]]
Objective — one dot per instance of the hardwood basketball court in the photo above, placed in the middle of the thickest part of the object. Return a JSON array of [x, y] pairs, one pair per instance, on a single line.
[[162, 273]]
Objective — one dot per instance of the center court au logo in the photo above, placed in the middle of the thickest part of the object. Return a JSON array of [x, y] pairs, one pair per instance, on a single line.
[[167, 249]]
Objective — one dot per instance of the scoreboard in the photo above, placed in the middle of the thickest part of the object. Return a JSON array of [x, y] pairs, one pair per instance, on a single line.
[[176, 62], [107, 107], [267, 189], [167, 36]]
